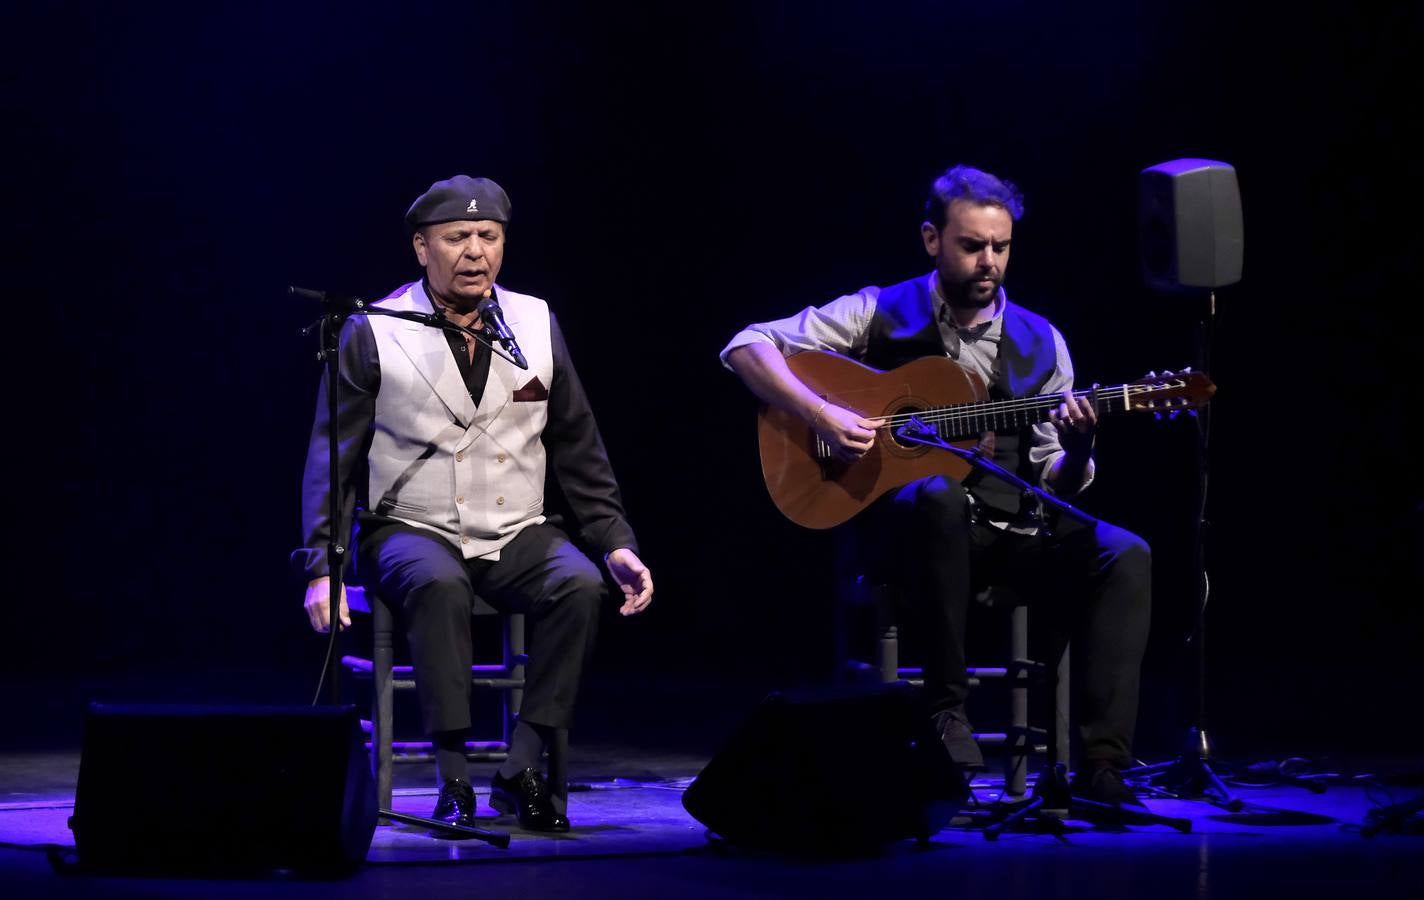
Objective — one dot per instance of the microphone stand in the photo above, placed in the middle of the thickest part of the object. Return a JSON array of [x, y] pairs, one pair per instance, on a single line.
[[1051, 788], [336, 309]]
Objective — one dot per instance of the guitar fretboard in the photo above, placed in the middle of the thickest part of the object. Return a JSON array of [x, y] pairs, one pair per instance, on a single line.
[[964, 421], [967, 420]]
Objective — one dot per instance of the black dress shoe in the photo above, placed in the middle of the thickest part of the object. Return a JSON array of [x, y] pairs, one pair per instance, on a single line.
[[527, 796], [958, 737], [456, 805], [1104, 784]]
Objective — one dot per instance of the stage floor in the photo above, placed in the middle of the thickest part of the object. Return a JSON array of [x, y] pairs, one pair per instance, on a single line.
[[632, 838]]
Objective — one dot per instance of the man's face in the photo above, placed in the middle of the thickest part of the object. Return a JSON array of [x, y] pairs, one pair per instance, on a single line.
[[461, 259], [971, 252]]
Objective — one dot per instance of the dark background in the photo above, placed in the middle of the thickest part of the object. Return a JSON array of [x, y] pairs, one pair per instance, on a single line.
[[676, 173]]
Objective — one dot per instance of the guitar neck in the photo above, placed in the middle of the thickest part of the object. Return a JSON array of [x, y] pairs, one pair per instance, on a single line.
[[970, 419]]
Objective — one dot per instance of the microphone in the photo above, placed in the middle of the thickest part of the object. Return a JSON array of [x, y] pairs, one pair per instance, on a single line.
[[331, 299], [493, 318]]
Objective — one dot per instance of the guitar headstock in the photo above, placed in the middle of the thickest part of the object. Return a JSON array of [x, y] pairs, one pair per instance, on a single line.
[[1170, 392]]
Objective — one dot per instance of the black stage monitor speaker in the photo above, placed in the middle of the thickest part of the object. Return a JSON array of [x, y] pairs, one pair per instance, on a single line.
[[830, 774], [1189, 218], [245, 791]]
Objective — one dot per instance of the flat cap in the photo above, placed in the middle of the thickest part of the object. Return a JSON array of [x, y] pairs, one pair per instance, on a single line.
[[459, 198]]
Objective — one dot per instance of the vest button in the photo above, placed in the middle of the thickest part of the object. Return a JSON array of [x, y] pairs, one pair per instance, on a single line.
[[499, 458], [459, 457], [499, 501], [464, 540], [460, 499]]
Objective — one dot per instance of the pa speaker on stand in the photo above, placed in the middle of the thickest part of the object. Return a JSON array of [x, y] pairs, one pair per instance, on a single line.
[[1192, 242]]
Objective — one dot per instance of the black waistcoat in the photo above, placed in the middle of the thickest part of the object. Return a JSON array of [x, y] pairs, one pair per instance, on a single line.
[[904, 328]]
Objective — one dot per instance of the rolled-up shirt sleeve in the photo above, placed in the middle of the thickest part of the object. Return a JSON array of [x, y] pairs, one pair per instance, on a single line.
[[840, 326], [1047, 450]]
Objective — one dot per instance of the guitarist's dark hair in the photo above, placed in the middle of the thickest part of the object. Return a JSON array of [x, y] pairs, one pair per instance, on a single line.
[[975, 185]]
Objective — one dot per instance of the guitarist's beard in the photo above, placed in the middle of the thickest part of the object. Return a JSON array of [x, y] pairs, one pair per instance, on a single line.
[[969, 295]]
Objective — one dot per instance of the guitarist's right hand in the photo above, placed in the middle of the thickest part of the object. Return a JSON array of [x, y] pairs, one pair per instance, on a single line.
[[844, 430]]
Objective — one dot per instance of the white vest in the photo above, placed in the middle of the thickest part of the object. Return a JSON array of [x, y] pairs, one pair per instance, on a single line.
[[473, 475]]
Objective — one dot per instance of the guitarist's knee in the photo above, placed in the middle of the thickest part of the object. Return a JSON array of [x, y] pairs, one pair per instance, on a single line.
[[938, 498]]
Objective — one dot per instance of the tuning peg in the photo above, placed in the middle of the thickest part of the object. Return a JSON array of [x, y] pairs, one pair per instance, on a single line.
[[1166, 373], [1157, 416], [1187, 370], [1192, 413], [1173, 414], [1151, 374]]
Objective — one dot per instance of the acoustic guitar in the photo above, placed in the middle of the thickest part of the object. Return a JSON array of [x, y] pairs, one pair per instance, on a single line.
[[815, 490]]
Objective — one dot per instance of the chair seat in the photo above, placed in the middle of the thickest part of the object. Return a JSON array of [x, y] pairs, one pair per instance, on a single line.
[[357, 601]]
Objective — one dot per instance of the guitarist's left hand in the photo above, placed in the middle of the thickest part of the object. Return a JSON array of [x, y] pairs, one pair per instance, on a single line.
[[1077, 423]]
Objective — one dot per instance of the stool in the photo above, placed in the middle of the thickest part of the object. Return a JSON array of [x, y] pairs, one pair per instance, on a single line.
[[507, 677], [1021, 740]]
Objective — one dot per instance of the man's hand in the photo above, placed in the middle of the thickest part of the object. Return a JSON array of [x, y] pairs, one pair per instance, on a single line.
[[1077, 423], [633, 577], [848, 434], [319, 604]]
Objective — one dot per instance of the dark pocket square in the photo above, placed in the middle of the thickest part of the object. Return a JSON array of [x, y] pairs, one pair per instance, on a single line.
[[532, 392]]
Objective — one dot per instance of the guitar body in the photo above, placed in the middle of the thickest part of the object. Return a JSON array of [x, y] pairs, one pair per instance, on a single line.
[[818, 493]]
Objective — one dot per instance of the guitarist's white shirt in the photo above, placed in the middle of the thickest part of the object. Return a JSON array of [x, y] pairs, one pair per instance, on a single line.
[[843, 326]]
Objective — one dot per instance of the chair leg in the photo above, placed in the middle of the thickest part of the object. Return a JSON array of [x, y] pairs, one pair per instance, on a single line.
[[512, 699], [383, 699], [887, 646], [1017, 754], [1061, 694], [559, 769]]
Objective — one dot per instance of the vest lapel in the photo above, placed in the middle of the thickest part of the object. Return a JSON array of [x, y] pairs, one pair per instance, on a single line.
[[430, 355], [1026, 357], [498, 389]]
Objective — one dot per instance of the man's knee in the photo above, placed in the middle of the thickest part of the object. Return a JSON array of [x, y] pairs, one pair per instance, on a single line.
[[582, 591], [937, 498], [1128, 556], [1129, 549], [438, 592]]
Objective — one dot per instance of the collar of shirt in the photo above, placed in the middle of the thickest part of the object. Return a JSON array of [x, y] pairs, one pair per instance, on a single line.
[[990, 330], [470, 319]]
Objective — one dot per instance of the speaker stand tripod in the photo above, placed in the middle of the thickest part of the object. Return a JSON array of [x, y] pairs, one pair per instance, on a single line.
[[1190, 775]]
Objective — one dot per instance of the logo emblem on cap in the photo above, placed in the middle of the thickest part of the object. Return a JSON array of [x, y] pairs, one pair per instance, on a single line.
[[474, 206]]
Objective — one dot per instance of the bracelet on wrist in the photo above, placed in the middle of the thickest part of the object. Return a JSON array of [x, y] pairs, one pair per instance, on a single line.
[[820, 409]]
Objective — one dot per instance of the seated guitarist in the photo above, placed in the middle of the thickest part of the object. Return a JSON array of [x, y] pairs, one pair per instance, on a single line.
[[943, 538]]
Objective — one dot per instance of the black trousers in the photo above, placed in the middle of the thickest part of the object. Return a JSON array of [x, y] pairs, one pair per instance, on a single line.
[[1094, 582], [431, 588]]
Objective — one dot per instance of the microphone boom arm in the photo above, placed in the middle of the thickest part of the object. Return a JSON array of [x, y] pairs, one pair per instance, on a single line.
[[341, 305], [916, 431]]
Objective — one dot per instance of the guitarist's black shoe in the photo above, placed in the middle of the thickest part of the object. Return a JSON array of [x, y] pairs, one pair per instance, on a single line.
[[1102, 782], [958, 737]]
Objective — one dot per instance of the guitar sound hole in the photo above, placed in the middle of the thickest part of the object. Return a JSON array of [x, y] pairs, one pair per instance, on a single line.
[[900, 415]]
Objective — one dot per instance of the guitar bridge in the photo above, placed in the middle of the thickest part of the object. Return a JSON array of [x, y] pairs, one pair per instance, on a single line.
[[823, 457]]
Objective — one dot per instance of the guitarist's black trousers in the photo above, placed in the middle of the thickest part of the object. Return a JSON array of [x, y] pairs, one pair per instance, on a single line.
[[1093, 582]]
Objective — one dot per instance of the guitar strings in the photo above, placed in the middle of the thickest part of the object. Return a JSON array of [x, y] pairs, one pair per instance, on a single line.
[[1000, 408]]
